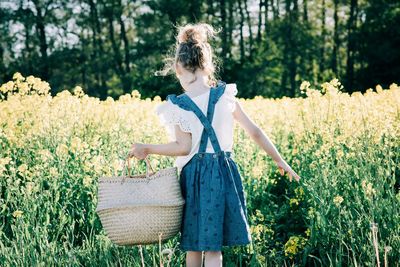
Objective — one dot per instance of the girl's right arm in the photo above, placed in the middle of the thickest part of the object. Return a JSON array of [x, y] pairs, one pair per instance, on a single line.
[[181, 147], [258, 136]]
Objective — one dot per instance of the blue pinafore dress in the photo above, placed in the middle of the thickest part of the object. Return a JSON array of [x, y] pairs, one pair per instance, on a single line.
[[215, 213]]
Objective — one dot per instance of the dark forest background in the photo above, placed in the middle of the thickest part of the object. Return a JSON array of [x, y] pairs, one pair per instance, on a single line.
[[268, 47]]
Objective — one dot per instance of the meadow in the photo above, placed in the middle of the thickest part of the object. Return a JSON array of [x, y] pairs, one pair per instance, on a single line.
[[344, 212]]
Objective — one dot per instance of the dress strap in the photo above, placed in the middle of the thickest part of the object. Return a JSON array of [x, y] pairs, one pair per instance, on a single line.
[[186, 103], [210, 115]]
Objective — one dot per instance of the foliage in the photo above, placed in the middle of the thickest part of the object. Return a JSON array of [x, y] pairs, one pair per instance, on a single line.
[[344, 146], [111, 47]]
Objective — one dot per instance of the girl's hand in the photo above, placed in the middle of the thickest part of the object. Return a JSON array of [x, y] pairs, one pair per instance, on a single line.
[[283, 166], [139, 151]]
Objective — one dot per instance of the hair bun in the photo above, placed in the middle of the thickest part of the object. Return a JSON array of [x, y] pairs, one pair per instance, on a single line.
[[195, 34]]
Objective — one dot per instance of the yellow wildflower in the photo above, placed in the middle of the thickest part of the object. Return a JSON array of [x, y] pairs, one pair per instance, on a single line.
[[29, 187], [61, 150], [78, 91], [368, 189], [45, 154], [135, 94], [53, 171], [308, 232], [7, 87], [338, 200], [293, 201], [294, 245], [23, 168], [17, 213], [18, 76], [87, 180], [299, 191], [304, 86]]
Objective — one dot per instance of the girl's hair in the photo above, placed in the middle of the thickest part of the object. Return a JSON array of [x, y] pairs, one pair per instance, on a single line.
[[193, 51]]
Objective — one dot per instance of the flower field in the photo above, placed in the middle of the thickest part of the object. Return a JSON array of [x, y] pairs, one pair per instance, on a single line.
[[344, 212]]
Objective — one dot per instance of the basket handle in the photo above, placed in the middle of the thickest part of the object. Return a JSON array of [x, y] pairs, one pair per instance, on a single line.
[[128, 165]]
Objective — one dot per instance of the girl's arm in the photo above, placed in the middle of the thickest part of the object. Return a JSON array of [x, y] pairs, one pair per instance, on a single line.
[[258, 136], [180, 147]]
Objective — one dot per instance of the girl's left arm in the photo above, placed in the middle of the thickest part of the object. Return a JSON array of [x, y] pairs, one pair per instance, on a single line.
[[180, 147], [263, 141]]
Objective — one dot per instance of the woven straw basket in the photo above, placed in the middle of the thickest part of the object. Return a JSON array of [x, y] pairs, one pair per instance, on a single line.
[[140, 209]]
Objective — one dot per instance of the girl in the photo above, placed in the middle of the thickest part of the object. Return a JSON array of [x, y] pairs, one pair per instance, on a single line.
[[200, 123]]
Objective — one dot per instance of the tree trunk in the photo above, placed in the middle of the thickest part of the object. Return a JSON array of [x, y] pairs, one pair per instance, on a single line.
[[293, 20], [194, 11], [305, 10], [260, 5], [224, 35], [230, 28], [41, 33], [323, 37], [241, 41], [126, 78], [266, 17], [335, 38], [210, 10], [250, 29], [110, 13], [275, 10], [28, 49], [125, 41], [351, 46], [96, 48]]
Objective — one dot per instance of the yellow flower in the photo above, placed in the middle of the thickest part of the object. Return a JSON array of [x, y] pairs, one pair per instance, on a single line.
[[7, 87], [18, 76], [349, 232], [118, 165], [29, 187], [308, 232], [368, 189], [76, 144], [393, 87], [294, 245], [45, 154], [53, 172], [257, 171], [78, 91], [2, 167], [299, 191], [293, 201], [135, 94], [338, 200], [61, 150], [23, 168], [87, 180], [5, 161], [17, 213], [304, 86], [98, 163], [311, 212]]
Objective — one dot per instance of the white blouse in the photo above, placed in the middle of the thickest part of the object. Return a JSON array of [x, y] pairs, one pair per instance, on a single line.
[[171, 115]]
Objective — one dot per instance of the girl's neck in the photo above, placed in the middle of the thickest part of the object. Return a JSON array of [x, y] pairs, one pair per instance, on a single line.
[[198, 87]]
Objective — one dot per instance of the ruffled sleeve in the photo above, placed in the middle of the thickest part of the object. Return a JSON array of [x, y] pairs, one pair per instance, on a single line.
[[230, 95], [170, 115]]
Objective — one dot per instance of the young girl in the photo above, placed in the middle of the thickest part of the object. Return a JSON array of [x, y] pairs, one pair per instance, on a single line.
[[200, 122]]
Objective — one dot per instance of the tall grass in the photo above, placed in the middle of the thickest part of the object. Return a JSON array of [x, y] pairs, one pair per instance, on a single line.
[[344, 211]]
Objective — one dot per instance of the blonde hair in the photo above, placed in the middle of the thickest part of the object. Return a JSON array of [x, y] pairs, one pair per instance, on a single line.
[[193, 51]]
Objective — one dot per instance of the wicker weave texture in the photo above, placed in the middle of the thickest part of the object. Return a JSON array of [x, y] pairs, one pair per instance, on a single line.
[[137, 209], [141, 225]]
